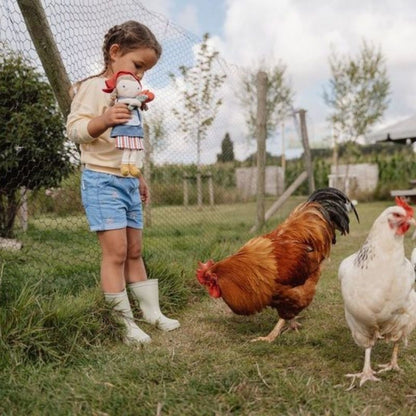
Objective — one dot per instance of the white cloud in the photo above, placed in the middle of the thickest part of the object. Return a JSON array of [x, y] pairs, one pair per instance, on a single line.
[[188, 18], [301, 34], [181, 13]]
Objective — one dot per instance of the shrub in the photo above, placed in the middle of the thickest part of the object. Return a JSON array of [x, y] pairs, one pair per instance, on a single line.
[[32, 146]]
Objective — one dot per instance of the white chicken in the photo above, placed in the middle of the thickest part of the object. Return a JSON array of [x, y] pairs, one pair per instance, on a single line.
[[377, 288]]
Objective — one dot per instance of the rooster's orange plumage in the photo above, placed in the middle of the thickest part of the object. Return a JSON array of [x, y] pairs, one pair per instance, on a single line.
[[281, 269]]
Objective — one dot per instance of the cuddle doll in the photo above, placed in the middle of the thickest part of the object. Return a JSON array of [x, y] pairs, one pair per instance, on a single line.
[[126, 88]]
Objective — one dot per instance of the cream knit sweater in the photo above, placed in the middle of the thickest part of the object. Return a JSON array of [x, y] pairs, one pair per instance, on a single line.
[[99, 153]]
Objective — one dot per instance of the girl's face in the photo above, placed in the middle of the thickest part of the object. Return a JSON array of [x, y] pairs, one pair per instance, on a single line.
[[137, 61]]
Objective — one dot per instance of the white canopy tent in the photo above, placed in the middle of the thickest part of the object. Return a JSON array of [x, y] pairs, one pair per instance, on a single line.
[[401, 132]]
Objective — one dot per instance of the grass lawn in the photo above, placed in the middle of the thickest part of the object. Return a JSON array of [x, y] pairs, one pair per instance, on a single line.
[[60, 349]]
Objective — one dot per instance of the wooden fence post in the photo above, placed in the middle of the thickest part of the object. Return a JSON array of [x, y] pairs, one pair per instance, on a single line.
[[42, 37], [210, 189], [306, 150], [185, 191], [199, 189]]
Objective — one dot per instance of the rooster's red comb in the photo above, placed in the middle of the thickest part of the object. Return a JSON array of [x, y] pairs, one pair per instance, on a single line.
[[401, 202], [203, 267]]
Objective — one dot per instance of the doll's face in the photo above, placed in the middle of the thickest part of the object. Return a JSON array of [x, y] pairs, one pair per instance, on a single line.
[[127, 86]]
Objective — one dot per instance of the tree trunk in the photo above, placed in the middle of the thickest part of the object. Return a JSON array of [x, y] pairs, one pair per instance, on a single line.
[[261, 133], [335, 159], [22, 212], [9, 206], [147, 171]]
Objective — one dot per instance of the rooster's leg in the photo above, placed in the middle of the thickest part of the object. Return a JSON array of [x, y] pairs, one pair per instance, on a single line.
[[274, 333], [393, 362], [367, 373], [294, 324]]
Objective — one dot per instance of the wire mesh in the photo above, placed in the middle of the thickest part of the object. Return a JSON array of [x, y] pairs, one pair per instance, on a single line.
[[53, 217]]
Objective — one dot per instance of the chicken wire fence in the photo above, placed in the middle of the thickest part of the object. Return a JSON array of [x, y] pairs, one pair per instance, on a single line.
[[54, 214]]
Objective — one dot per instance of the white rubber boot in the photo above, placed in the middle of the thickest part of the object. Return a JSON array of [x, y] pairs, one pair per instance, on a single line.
[[121, 303], [147, 293]]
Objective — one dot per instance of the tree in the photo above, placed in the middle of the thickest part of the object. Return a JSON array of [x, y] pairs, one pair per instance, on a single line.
[[33, 153], [154, 140], [198, 86], [358, 91], [227, 150], [279, 98], [157, 132]]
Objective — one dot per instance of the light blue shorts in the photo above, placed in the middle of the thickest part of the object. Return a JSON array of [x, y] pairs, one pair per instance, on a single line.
[[111, 202]]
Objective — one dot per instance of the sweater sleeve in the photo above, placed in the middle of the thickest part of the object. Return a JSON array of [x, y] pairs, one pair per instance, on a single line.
[[88, 103]]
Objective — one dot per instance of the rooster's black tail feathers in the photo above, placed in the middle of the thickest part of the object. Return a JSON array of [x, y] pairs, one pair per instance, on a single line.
[[335, 206]]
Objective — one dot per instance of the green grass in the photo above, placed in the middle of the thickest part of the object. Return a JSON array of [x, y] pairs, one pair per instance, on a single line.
[[60, 349]]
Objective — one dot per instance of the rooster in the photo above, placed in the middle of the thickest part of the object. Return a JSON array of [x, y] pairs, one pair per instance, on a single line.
[[377, 288], [281, 269]]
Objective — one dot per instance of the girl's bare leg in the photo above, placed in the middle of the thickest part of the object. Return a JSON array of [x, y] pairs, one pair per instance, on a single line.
[[134, 270], [114, 253]]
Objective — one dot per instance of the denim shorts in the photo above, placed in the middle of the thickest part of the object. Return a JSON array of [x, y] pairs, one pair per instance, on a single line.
[[111, 202]]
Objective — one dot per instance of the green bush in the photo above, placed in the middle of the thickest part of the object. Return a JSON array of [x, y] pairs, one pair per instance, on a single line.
[[32, 145]]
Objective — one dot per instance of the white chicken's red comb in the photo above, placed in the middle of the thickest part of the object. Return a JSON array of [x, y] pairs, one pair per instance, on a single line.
[[402, 203]]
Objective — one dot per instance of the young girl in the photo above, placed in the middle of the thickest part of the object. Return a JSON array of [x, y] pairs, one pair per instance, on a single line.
[[111, 201]]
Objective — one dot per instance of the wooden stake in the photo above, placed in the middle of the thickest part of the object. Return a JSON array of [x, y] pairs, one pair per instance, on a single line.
[[42, 37]]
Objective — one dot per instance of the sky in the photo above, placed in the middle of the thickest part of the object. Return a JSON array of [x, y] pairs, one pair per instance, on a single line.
[[301, 35]]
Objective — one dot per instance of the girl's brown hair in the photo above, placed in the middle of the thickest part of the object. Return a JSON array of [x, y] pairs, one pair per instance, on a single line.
[[129, 35]]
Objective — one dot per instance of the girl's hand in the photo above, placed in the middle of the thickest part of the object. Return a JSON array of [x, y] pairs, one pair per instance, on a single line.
[[117, 114], [143, 190]]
